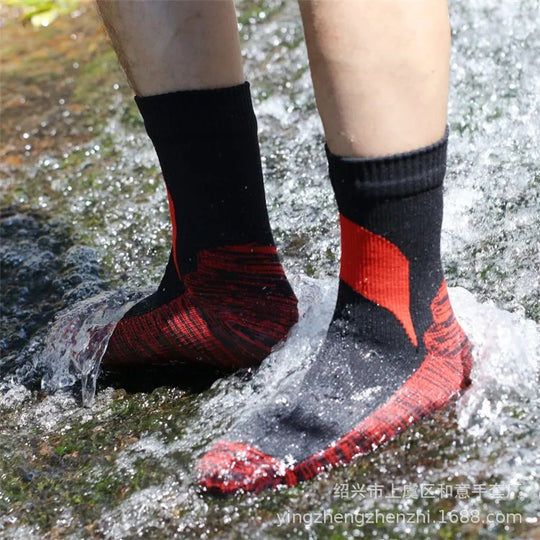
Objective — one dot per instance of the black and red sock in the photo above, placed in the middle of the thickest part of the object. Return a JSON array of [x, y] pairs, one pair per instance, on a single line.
[[224, 299], [394, 351]]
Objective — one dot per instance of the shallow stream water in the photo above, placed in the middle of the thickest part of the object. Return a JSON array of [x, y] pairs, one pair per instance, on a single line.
[[83, 215]]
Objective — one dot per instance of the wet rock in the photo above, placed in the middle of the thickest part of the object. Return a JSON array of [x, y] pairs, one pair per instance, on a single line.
[[20, 225], [43, 272], [28, 476]]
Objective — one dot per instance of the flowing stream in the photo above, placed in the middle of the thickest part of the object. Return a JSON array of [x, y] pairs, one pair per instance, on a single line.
[[85, 233]]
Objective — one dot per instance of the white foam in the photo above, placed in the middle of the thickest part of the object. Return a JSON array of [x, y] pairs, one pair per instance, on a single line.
[[506, 361]]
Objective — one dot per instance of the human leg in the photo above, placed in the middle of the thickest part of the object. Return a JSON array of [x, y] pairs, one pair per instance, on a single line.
[[380, 73], [224, 299], [167, 46], [394, 350]]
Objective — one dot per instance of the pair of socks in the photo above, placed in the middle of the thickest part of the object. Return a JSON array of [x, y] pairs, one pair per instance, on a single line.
[[394, 352]]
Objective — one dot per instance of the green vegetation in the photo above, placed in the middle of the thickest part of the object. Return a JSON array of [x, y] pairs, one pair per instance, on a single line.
[[43, 12]]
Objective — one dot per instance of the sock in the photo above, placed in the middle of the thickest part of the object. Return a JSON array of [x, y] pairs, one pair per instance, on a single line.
[[224, 299], [394, 352]]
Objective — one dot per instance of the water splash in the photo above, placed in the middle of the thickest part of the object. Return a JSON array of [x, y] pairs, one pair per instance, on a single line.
[[78, 339], [505, 371], [501, 340], [498, 415]]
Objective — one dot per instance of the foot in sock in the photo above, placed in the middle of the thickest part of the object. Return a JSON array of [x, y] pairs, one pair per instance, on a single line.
[[224, 299], [394, 352]]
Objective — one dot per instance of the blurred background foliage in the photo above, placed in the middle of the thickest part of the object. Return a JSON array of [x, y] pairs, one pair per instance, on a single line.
[[42, 12]]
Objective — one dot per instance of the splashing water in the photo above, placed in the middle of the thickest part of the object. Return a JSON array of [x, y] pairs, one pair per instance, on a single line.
[[503, 376], [506, 364], [77, 341]]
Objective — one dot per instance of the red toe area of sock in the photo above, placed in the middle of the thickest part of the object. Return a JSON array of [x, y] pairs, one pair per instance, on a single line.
[[232, 466]]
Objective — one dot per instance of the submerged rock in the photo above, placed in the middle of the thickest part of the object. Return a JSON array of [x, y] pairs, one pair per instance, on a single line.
[[43, 271]]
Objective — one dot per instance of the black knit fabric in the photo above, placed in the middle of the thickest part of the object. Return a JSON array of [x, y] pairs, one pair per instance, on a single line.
[[388, 176], [206, 142], [186, 114], [400, 198]]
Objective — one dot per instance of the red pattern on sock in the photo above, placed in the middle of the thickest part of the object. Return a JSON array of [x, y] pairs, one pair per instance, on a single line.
[[172, 211], [237, 305], [378, 270], [445, 371]]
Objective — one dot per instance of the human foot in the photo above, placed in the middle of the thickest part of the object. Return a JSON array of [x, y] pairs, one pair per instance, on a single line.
[[355, 397], [224, 299], [394, 351], [229, 313]]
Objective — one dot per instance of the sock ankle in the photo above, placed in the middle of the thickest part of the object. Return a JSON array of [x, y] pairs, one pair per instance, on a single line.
[[206, 142], [390, 218], [394, 351], [224, 282]]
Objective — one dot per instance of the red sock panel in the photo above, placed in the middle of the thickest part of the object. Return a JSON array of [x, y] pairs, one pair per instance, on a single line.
[[394, 352]]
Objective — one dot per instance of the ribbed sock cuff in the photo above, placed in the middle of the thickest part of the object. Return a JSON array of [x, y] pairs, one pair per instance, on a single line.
[[395, 175], [187, 114]]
